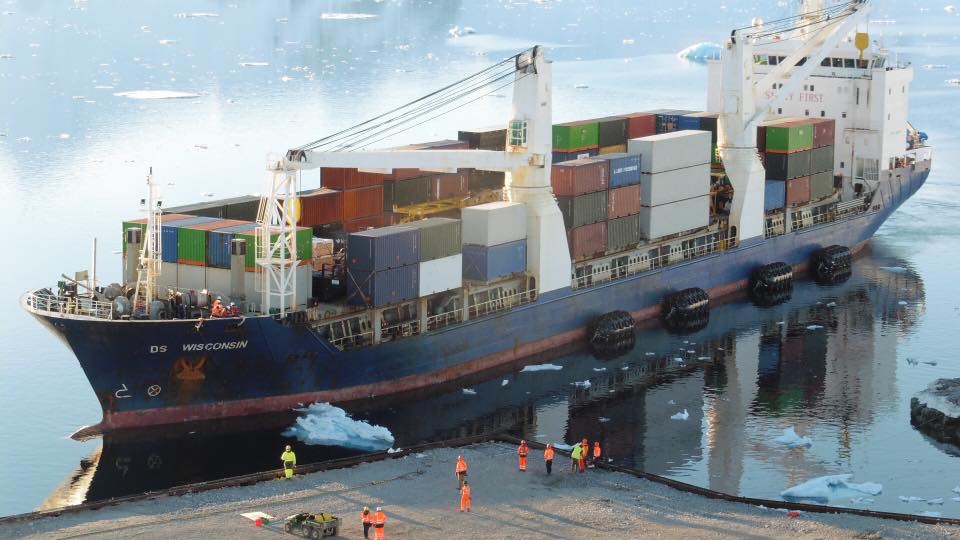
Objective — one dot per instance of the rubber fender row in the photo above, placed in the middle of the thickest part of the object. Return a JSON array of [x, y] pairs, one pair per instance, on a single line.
[[831, 264], [685, 311]]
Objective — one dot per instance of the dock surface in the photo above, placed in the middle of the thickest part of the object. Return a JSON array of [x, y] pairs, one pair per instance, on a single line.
[[420, 497]]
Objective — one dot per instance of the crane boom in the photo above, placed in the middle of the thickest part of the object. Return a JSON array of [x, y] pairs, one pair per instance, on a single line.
[[384, 161]]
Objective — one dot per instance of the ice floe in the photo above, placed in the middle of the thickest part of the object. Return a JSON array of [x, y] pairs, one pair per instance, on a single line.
[[814, 327], [469, 392], [324, 424], [894, 269], [681, 415], [541, 367], [504, 382], [829, 487], [254, 64], [701, 52], [911, 498], [581, 384], [156, 94], [790, 439], [345, 16]]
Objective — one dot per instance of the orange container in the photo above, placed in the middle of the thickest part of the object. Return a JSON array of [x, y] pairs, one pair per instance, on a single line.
[[624, 201], [321, 207], [362, 202]]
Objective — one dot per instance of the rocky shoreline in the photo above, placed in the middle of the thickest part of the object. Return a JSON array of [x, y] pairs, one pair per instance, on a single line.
[[936, 410]]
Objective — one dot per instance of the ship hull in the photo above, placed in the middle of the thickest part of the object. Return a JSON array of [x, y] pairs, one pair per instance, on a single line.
[[161, 372]]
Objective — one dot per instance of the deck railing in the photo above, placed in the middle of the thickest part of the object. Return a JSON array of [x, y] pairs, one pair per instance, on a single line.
[[67, 307]]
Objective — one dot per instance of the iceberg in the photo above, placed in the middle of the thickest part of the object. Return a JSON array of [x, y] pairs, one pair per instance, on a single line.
[[701, 52], [469, 392], [324, 424], [541, 367], [790, 439], [681, 415], [824, 488], [581, 384]]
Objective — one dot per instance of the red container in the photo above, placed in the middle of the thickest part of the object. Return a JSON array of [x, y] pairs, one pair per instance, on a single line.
[[580, 176], [446, 144], [338, 178], [362, 202], [761, 140], [798, 191], [363, 224], [219, 224], [824, 132], [447, 186], [406, 174], [587, 241], [624, 201], [641, 125], [322, 207]]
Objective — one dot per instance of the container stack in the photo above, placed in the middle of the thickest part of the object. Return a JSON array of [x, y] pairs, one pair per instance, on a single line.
[[668, 120], [241, 208], [441, 259], [623, 202], [575, 140], [383, 266], [641, 124], [612, 135], [675, 182], [798, 155], [581, 187], [491, 138], [494, 241], [704, 121], [361, 197]]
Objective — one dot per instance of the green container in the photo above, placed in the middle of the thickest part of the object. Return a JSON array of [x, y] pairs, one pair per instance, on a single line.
[[715, 155], [439, 237], [789, 137], [575, 135], [191, 246], [412, 191], [821, 160], [303, 238], [821, 185], [583, 209], [130, 225], [623, 233]]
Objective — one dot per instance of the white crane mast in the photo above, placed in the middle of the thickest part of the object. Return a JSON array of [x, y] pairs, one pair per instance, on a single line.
[[745, 101], [151, 251]]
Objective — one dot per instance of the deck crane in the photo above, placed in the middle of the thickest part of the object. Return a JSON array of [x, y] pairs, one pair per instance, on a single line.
[[527, 160], [746, 100]]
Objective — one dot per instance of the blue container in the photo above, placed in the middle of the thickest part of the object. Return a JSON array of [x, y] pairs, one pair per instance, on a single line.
[[379, 249], [218, 248], [378, 289], [168, 235], [560, 157], [774, 195], [624, 169], [482, 263], [688, 122]]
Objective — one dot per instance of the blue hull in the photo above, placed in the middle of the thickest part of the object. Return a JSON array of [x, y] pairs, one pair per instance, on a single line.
[[159, 372]]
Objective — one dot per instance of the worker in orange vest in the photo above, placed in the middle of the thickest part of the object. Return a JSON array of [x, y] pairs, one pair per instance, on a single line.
[[465, 497], [584, 453], [596, 451], [367, 519], [522, 451], [548, 457], [379, 521], [461, 471]]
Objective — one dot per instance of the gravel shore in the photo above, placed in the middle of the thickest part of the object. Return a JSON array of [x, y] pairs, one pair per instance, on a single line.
[[419, 495]]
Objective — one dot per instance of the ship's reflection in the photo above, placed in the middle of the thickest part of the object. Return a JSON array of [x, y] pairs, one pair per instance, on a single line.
[[827, 357]]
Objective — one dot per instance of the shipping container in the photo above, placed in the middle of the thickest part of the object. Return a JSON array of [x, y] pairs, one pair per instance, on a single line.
[[448, 186], [707, 122], [560, 157], [611, 131], [362, 202], [641, 125], [787, 166], [364, 223], [666, 219], [494, 223], [321, 207], [624, 201], [412, 191], [170, 237], [380, 249], [668, 120], [492, 138], [439, 275], [688, 121], [613, 149], [624, 169], [623, 233], [671, 151], [798, 191], [583, 209], [478, 180], [580, 176], [142, 225], [343, 179], [243, 208], [788, 137], [774, 195], [674, 185], [487, 263], [587, 241], [821, 185], [217, 243], [824, 132], [303, 238], [379, 289], [576, 135], [439, 237], [821, 159]]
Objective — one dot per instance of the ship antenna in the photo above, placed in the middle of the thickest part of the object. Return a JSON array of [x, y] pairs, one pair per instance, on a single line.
[[151, 254]]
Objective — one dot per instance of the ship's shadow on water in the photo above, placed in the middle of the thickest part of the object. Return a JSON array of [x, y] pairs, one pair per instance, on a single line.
[[778, 364]]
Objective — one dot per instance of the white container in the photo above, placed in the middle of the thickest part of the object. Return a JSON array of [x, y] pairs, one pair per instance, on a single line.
[[668, 151], [218, 280], [440, 275], [675, 217], [494, 223], [168, 275], [192, 277], [676, 185]]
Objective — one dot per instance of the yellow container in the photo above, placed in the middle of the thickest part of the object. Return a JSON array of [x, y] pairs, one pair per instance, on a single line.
[[613, 149]]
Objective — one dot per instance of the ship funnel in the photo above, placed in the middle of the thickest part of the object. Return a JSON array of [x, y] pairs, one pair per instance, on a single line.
[[131, 259], [238, 257]]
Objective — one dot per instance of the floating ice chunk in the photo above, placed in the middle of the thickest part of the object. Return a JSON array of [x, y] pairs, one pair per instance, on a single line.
[[599, 369], [197, 15], [168, 41], [834, 486], [208, 194], [681, 415], [200, 146], [861, 500], [603, 419], [952, 82], [504, 382], [955, 499], [814, 327], [628, 41], [831, 304], [254, 64], [625, 368], [938, 500], [419, 455], [928, 513], [153, 94], [691, 351], [24, 139], [956, 490], [541, 367], [950, 8], [648, 353], [894, 269], [345, 16], [6, 56], [935, 66], [63, 136], [671, 402], [790, 439], [902, 302], [581, 384], [286, 78], [580, 86], [701, 52], [911, 498], [324, 424], [394, 450], [469, 392]]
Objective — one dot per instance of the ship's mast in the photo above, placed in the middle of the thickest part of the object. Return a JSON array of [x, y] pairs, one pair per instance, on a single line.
[[276, 239], [151, 252]]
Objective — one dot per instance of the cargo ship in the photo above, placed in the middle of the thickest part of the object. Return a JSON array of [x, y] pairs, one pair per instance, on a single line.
[[420, 265]]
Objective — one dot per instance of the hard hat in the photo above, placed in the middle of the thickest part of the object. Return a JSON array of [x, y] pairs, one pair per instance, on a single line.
[[288, 448], [549, 445], [219, 298], [523, 442], [379, 509], [459, 457], [366, 508]]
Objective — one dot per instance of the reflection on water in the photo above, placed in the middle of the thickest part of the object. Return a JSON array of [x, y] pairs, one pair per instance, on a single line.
[[825, 363]]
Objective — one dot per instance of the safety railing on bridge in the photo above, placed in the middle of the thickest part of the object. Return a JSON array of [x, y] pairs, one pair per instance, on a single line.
[[67, 307]]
